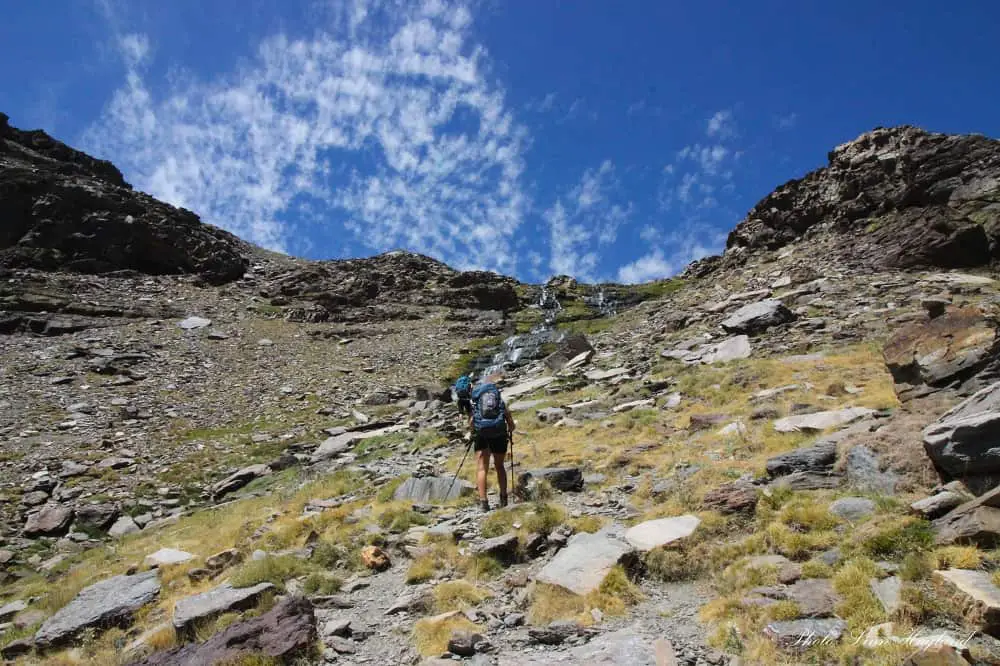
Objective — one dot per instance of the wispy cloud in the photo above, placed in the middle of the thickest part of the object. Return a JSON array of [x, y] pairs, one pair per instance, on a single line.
[[583, 220], [694, 194], [721, 124], [386, 122], [787, 121]]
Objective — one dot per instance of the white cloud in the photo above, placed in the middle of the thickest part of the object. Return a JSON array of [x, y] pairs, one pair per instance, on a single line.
[[721, 124], [587, 218], [543, 105], [652, 266], [385, 123]]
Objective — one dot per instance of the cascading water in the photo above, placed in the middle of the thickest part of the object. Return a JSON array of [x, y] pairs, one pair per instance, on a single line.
[[520, 349]]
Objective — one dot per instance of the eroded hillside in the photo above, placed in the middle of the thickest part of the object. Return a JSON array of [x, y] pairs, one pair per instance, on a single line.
[[753, 463]]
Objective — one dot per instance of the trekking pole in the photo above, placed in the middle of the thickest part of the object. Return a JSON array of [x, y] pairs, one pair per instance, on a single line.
[[459, 470], [512, 483]]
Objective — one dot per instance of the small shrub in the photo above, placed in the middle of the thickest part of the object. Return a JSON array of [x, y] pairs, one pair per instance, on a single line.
[[958, 557], [917, 566], [421, 570], [895, 537], [319, 583], [431, 635], [859, 606], [274, 570], [457, 595], [543, 518]]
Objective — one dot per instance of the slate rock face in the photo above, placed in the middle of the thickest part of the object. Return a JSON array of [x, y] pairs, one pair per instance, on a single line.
[[922, 199], [50, 520], [106, 603], [284, 632], [965, 442], [960, 347], [64, 210]]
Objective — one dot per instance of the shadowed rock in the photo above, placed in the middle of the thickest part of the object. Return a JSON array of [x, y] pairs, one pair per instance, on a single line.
[[285, 632]]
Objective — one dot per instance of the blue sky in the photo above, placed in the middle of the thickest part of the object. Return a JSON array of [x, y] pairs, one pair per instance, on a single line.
[[606, 140]]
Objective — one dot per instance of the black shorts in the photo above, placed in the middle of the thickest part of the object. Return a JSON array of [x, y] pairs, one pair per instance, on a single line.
[[493, 442], [464, 406]]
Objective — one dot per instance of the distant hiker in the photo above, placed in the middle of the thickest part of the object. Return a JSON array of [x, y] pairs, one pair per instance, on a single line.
[[463, 393], [491, 426]]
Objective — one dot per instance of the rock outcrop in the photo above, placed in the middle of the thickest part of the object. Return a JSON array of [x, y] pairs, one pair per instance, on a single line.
[[896, 197], [64, 210]]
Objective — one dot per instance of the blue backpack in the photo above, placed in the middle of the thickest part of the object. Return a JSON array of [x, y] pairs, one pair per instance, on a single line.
[[463, 386], [488, 409]]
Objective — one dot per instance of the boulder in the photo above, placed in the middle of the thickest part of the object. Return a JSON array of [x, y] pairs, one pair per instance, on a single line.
[[807, 481], [503, 548], [583, 564], [50, 520], [96, 517], [730, 349], [566, 479], [109, 602], [976, 593], [464, 643], [819, 457], [238, 479], [9, 610], [124, 525], [732, 498], [965, 442], [432, 489], [976, 522], [758, 317], [821, 420], [661, 532], [375, 558], [222, 599], [284, 633], [342, 442]]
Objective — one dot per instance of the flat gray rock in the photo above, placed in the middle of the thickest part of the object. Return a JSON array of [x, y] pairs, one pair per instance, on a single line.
[[192, 323], [108, 602], [815, 597], [656, 533], [341, 443], [821, 420], [9, 610], [852, 508], [798, 635], [432, 489], [215, 602], [865, 473], [583, 564], [167, 556], [888, 591], [937, 505]]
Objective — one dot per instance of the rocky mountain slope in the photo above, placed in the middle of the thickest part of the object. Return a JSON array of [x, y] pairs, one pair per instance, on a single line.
[[214, 454]]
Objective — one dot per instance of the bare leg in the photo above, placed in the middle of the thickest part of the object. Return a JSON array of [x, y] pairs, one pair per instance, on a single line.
[[482, 469], [501, 476]]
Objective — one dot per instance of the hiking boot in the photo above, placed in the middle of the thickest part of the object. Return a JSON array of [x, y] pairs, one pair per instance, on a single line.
[[503, 501], [484, 505]]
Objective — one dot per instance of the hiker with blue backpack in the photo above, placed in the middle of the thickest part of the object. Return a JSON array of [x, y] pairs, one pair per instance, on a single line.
[[463, 395], [492, 428]]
